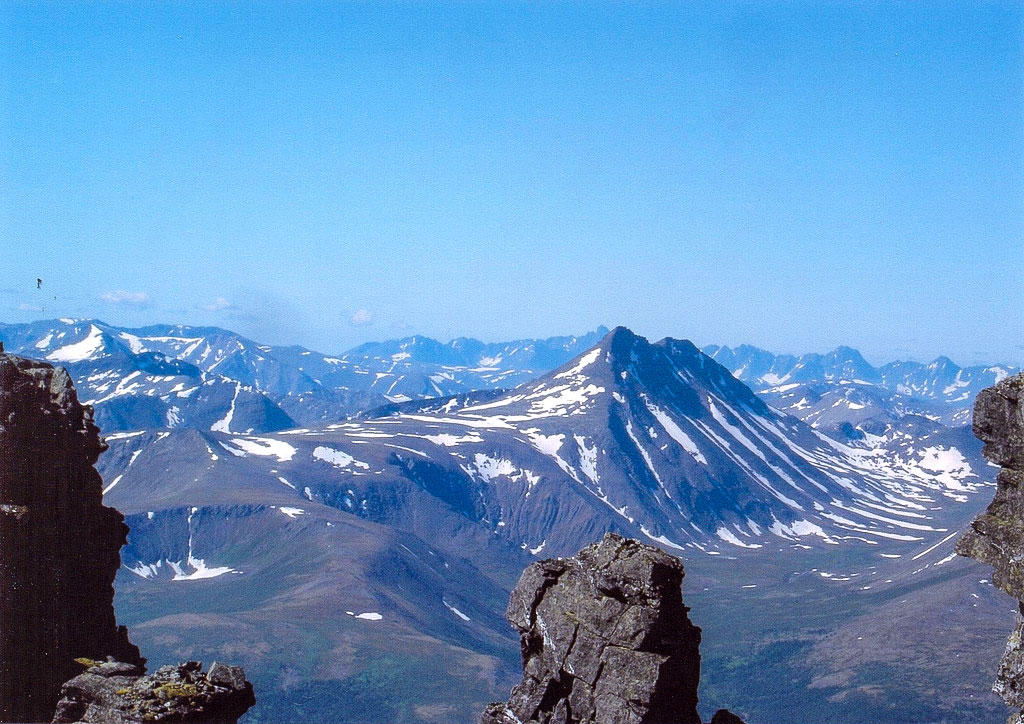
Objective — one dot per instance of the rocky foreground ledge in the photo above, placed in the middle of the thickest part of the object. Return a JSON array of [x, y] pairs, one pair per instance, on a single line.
[[996, 536], [605, 639], [118, 693]]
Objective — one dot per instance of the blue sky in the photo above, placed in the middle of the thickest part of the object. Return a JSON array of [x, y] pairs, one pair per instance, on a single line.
[[793, 175]]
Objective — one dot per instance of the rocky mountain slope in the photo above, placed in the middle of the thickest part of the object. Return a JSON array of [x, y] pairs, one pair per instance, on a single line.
[[653, 440]]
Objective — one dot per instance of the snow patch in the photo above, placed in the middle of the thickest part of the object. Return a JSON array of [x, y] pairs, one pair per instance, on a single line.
[[489, 468], [448, 440], [224, 425], [584, 361], [675, 432], [368, 616], [83, 350], [454, 610], [337, 458], [588, 458], [266, 446], [114, 482]]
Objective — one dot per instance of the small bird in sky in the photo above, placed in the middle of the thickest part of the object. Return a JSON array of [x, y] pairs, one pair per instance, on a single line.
[[39, 283]]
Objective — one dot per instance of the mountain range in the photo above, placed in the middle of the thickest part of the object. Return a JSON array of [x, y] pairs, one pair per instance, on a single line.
[[209, 378], [341, 558], [179, 376], [813, 385]]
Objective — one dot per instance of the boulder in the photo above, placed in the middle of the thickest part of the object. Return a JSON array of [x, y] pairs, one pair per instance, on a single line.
[[118, 693], [605, 639]]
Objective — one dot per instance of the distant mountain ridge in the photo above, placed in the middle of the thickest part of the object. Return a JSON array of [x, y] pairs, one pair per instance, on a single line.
[[813, 386], [167, 376], [170, 376]]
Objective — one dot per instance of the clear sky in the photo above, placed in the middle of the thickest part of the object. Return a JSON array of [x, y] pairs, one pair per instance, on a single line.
[[793, 175]]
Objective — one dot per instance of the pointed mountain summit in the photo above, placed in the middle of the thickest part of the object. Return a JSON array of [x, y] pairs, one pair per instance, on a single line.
[[649, 440]]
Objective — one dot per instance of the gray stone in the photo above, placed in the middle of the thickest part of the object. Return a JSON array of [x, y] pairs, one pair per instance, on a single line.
[[996, 536], [1010, 677], [179, 694], [605, 639], [229, 677], [117, 668]]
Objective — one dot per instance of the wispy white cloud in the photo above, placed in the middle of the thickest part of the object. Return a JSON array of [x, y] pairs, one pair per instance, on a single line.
[[218, 304], [361, 317], [120, 296], [29, 308]]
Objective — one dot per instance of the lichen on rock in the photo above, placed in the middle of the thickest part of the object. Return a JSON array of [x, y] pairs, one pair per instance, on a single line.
[[996, 536], [118, 693]]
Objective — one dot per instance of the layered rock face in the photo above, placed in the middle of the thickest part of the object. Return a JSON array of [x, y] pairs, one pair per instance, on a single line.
[[59, 545], [996, 536], [605, 639], [117, 693]]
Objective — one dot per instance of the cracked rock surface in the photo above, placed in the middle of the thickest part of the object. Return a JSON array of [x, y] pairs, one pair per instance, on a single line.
[[117, 693], [605, 639], [996, 536]]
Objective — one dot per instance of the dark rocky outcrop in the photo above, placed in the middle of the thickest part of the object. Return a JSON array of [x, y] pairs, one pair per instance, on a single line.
[[605, 639], [996, 536], [59, 545], [118, 693], [724, 716]]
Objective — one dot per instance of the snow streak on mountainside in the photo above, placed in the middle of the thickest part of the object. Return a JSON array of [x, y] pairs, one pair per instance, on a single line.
[[656, 441]]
